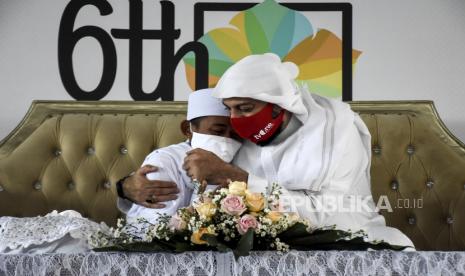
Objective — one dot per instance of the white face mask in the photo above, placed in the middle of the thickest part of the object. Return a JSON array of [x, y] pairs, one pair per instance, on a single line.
[[225, 148]]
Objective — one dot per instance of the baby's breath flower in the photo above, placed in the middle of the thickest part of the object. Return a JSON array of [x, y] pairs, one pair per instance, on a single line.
[[120, 223], [220, 223]]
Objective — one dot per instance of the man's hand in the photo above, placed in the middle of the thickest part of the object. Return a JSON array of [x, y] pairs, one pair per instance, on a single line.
[[206, 166], [149, 193]]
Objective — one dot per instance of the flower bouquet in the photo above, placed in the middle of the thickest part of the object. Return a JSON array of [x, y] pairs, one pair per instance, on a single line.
[[234, 219]]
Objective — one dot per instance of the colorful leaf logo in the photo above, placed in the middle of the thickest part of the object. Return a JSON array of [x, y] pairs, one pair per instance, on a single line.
[[271, 27]]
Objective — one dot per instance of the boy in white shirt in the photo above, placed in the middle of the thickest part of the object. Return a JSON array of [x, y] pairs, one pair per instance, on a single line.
[[210, 130]]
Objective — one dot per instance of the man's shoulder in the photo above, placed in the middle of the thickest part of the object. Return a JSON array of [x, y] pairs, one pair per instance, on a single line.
[[333, 103]]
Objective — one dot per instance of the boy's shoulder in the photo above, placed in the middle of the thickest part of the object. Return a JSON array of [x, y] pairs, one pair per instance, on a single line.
[[174, 152]]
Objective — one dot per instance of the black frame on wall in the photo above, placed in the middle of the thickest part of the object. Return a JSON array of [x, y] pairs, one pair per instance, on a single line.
[[345, 8]]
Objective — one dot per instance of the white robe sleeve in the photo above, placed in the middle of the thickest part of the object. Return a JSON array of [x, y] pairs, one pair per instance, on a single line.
[[345, 199], [123, 205], [257, 184], [168, 170], [349, 180]]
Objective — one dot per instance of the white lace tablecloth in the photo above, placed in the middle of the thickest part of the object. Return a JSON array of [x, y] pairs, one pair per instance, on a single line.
[[259, 263], [26, 246]]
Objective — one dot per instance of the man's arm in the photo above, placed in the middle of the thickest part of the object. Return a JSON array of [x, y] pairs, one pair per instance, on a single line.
[[206, 166], [138, 189]]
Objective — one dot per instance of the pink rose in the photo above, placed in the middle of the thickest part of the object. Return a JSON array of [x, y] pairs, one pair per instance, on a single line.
[[176, 223], [245, 223], [233, 205]]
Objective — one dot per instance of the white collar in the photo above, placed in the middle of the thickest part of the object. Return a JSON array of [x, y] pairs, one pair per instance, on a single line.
[[291, 128]]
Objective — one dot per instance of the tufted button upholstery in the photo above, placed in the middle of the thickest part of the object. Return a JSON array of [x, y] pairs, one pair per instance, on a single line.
[[394, 185], [107, 185], [427, 164], [430, 183], [97, 144], [37, 185], [376, 149], [410, 150], [123, 150], [71, 186], [100, 142]]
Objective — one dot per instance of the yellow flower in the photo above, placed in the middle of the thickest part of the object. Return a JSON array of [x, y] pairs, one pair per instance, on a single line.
[[206, 198], [205, 209], [255, 201], [195, 237], [237, 188], [274, 215]]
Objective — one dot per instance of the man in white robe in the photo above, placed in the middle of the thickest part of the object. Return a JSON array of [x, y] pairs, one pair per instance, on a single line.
[[315, 148], [209, 130]]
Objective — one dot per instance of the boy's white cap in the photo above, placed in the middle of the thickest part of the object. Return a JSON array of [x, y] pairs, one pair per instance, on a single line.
[[202, 103]]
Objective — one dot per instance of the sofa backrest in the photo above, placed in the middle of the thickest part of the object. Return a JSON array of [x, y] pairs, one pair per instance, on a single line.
[[69, 155], [420, 167]]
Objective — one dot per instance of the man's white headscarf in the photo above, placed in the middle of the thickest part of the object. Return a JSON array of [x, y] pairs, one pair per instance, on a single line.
[[201, 103], [265, 78]]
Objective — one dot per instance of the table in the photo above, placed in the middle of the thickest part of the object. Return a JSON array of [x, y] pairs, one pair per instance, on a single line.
[[384, 262]]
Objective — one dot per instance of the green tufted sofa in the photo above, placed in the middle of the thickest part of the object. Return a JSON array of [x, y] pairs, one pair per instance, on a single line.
[[68, 155]]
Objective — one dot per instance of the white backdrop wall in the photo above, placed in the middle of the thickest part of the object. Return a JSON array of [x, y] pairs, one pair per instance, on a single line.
[[411, 50]]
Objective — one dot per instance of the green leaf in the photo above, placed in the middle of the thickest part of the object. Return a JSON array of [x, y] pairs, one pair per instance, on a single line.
[[244, 245], [330, 239], [108, 249], [183, 247], [155, 246], [213, 241], [318, 237], [297, 230], [296, 237]]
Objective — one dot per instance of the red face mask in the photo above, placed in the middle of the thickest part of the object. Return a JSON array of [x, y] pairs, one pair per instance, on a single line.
[[259, 127]]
